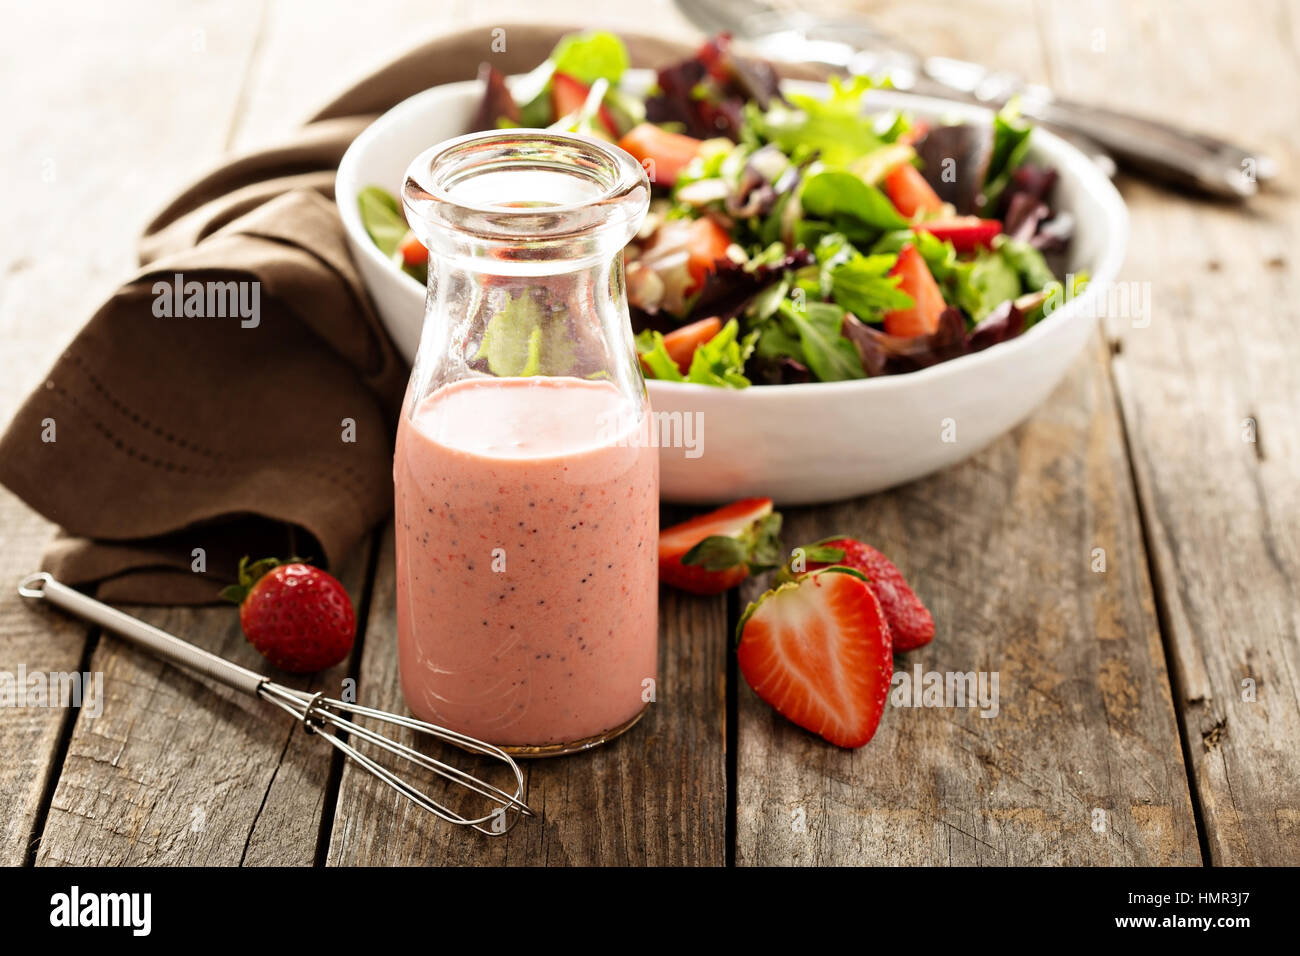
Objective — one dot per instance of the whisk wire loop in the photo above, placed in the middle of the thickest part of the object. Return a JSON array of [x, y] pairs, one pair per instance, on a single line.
[[335, 721]]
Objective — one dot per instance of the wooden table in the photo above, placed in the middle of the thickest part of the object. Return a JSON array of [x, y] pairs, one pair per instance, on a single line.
[[1124, 734]]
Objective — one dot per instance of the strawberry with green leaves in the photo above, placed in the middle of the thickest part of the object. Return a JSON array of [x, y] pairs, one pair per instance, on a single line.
[[909, 621], [819, 650], [299, 617], [713, 552]]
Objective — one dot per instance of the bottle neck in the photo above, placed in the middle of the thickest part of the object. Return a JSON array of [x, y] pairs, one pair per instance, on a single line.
[[525, 231], [569, 324]]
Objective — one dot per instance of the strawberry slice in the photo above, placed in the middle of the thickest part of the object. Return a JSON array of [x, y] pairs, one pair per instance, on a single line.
[[412, 250], [818, 649], [670, 153], [966, 233], [713, 552], [680, 344], [915, 134], [909, 191], [922, 318], [909, 621], [706, 243], [568, 95]]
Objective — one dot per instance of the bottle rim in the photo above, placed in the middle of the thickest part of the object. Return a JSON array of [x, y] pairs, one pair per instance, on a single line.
[[439, 194]]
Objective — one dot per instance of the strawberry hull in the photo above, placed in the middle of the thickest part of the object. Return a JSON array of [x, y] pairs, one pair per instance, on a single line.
[[910, 622], [714, 552]]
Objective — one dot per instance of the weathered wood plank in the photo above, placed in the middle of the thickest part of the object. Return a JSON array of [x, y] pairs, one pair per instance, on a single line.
[[29, 736], [1215, 367], [181, 771], [79, 176], [307, 40], [655, 796], [1001, 549], [624, 803]]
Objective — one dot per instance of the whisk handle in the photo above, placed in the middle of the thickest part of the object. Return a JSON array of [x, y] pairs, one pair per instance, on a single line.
[[164, 645]]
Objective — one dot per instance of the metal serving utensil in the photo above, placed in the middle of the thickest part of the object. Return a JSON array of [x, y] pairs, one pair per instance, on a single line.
[[333, 720], [1154, 148]]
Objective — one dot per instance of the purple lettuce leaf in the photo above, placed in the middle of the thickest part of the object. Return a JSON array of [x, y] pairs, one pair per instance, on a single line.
[[1004, 322], [496, 104], [970, 147], [729, 287], [706, 94], [885, 354]]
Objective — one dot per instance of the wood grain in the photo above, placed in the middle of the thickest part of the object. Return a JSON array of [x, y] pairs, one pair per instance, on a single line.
[[604, 807], [1221, 351], [176, 771], [29, 736], [72, 173], [1001, 550], [181, 771], [655, 796]]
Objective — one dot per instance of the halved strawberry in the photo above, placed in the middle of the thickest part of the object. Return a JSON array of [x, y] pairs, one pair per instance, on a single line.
[[680, 344], [568, 95], [713, 552], [922, 317], [818, 649], [909, 191], [966, 233], [909, 621]]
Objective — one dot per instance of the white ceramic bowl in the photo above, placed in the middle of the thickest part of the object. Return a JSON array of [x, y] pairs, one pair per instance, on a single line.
[[805, 443]]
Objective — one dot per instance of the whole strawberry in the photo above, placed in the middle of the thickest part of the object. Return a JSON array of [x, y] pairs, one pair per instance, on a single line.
[[298, 617]]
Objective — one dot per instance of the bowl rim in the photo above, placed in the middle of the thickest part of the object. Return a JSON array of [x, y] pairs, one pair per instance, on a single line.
[[1096, 186]]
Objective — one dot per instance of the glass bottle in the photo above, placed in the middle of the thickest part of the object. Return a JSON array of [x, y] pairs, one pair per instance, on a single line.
[[526, 496]]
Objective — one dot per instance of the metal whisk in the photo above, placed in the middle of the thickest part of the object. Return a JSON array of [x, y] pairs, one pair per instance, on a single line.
[[324, 716]]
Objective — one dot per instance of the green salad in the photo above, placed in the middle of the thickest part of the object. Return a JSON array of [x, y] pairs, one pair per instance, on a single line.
[[794, 238]]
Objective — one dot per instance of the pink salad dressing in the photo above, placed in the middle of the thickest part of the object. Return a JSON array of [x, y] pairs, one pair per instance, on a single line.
[[527, 523]]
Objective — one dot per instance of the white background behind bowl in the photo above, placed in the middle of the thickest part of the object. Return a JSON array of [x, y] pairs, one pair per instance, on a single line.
[[806, 443]]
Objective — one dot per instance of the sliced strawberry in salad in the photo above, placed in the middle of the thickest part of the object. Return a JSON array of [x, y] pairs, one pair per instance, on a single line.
[[568, 95], [680, 344], [412, 250], [909, 191], [922, 318], [713, 552], [819, 650], [663, 153], [966, 233], [707, 243]]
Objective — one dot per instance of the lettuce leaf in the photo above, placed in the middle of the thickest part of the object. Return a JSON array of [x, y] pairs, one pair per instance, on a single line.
[[719, 362], [1010, 146], [1033, 269], [994, 281], [655, 358], [836, 129], [521, 339], [852, 207], [863, 286], [382, 217], [831, 356], [591, 56]]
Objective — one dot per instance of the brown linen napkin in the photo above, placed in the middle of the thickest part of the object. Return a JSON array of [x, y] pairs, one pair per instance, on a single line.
[[173, 434]]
